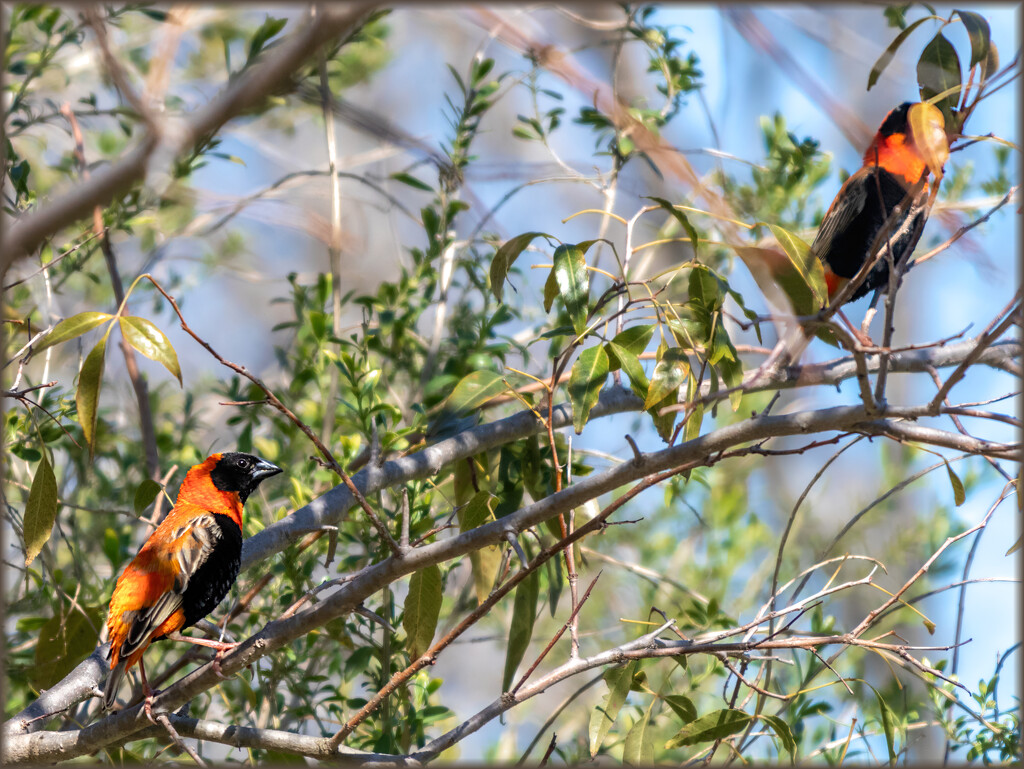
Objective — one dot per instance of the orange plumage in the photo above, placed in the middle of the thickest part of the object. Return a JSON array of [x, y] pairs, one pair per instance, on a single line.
[[187, 565], [893, 166]]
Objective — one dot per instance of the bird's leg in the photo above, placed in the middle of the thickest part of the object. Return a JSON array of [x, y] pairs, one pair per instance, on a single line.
[[148, 693], [222, 648]]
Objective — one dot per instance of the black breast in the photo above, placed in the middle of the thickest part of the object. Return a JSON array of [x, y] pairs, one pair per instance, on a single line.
[[850, 248], [214, 578]]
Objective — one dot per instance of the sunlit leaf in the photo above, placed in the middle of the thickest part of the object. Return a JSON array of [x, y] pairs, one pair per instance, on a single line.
[[475, 389], [669, 374], [680, 217], [573, 283], [149, 340], [783, 732], [72, 327]]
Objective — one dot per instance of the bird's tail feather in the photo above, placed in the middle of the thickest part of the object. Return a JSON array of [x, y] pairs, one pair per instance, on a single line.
[[113, 682]]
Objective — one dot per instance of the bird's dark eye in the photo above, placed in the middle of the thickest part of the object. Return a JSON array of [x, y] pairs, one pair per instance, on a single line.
[[243, 463]]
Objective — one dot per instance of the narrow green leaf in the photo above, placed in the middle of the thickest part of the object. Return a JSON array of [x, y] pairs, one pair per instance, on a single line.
[[71, 327], [88, 394], [669, 373], [691, 231], [887, 719], [938, 70], [979, 33], [63, 643], [147, 491], [630, 363], [713, 726], [890, 52], [41, 510], [959, 495], [784, 733], [586, 379], [638, 749], [145, 337], [412, 181], [573, 283], [665, 423], [682, 706], [705, 295], [604, 715], [484, 561], [422, 608], [807, 266], [475, 389], [524, 611], [505, 256], [550, 290]]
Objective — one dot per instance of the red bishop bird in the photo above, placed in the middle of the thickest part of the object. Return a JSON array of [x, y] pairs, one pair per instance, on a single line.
[[186, 567], [910, 142]]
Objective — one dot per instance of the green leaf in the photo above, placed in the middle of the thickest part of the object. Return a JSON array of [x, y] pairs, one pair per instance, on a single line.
[[669, 373], [71, 327], [785, 735], [505, 256], [41, 510], [267, 30], [586, 379], [979, 33], [638, 749], [88, 394], [147, 491], [807, 266], [412, 181], [475, 389], [422, 608], [634, 339], [524, 611], [705, 295], [63, 643], [484, 561], [959, 495], [691, 231], [938, 70], [630, 363], [887, 718], [890, 52], [603, 716], [682, 706], [713, 726], [573, 283], [145, 337], [550, 290]]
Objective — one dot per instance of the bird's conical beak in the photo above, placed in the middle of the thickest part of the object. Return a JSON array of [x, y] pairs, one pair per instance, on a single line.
[[264, 469]]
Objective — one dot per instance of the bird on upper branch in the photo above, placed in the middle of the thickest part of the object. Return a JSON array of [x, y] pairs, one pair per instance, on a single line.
[[185, 568], [894, 175]]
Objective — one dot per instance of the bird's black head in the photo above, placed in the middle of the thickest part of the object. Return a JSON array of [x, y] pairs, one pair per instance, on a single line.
[[896, 121], [241, 473]]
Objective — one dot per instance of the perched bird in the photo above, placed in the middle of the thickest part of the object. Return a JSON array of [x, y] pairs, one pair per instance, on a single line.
[[186, 567], [908, 144]]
